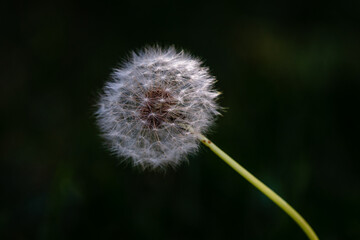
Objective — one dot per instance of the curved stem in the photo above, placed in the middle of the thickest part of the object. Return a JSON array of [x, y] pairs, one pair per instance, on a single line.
[[262, 187]]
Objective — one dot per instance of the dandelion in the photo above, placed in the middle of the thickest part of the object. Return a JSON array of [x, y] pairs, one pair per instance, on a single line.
[[147, 107], [157, 107]]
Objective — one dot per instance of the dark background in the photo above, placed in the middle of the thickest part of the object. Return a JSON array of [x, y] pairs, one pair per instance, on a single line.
[[289, 73]]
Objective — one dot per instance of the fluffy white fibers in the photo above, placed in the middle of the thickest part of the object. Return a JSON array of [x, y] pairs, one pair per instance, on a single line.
[[146, 109]]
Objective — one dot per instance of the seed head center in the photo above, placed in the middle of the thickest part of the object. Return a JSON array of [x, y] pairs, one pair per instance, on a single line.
[[155, 108]]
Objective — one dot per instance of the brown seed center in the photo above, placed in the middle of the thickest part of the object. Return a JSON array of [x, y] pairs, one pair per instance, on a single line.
[[155, 108]]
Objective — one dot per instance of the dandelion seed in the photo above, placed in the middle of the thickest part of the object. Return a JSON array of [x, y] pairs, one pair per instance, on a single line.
[[145, 109]]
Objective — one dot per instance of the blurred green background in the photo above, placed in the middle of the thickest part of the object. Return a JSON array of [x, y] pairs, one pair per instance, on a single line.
[[289, 73]]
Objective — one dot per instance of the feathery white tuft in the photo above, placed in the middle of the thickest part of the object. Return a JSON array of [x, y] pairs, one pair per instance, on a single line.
[[145, 111]]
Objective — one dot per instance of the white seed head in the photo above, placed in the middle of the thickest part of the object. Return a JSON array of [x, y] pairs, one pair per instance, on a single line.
[[152, 100]]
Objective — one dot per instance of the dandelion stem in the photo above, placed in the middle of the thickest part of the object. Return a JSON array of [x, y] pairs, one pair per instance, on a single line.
[[262, 187]]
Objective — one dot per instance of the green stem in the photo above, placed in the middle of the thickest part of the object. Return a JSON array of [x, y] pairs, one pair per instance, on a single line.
[[262, 187]]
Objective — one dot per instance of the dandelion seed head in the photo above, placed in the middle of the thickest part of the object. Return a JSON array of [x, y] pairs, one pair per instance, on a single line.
[[146, 109]]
